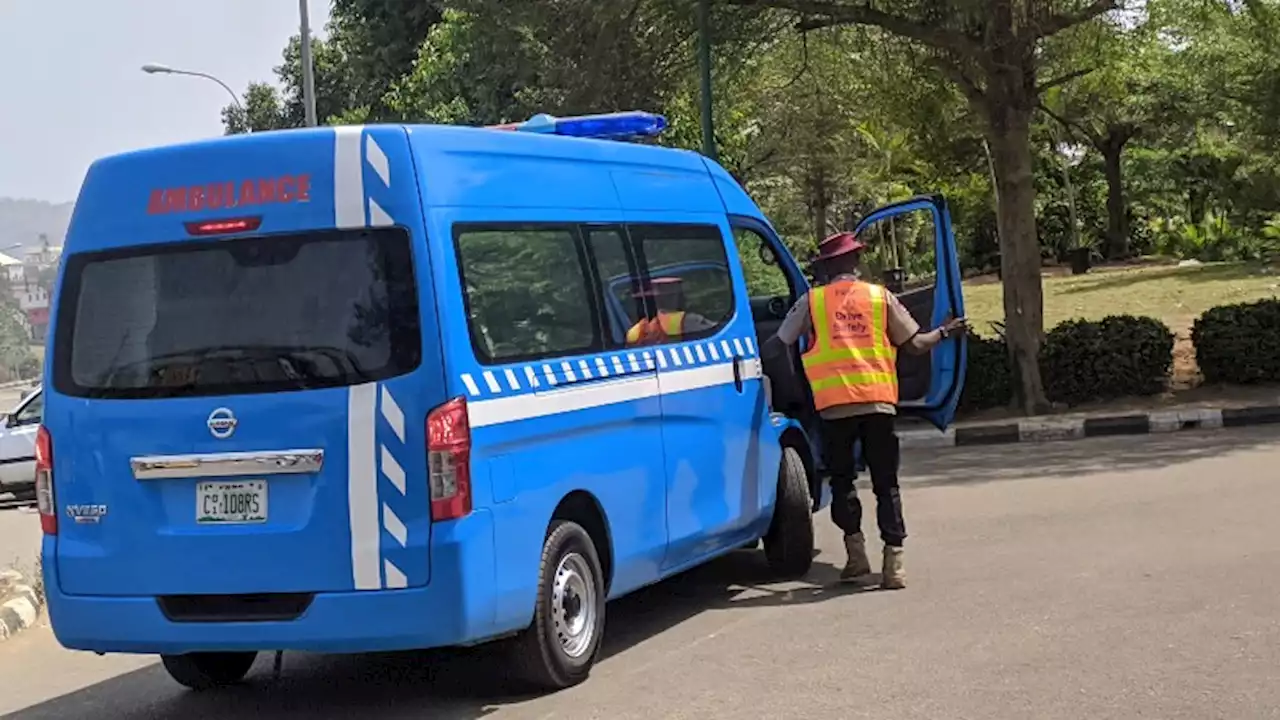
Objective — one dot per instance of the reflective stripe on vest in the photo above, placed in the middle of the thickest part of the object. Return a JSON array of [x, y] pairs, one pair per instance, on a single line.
[[660, 329], [852, 360]]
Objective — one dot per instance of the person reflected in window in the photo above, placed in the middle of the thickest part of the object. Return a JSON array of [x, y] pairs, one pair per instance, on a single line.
[[665, 319]]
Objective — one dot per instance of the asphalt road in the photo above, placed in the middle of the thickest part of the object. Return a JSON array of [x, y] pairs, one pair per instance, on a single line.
[[1124, 578]]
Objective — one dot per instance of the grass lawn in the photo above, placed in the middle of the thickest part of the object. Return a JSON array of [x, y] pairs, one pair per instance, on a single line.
[[1176, 295]]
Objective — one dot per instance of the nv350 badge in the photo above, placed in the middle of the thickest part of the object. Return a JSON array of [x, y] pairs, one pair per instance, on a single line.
[[87, 514]]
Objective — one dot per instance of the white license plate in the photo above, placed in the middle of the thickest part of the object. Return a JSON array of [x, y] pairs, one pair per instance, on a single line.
[[224, 503]]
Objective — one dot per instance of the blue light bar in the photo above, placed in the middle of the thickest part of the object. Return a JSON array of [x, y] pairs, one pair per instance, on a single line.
[[607, 126]]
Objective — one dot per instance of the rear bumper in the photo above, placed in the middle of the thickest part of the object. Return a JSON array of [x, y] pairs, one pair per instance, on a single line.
[[457, 607]]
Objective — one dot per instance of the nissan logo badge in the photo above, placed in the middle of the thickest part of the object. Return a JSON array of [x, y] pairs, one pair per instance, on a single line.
[[222, 423]]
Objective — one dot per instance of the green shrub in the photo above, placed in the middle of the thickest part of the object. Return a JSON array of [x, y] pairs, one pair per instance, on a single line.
[[1239, 343], [1119, 356], [988, 378]]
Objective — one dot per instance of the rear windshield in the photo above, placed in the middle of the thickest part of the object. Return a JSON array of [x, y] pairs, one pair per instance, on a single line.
[[251, 315]]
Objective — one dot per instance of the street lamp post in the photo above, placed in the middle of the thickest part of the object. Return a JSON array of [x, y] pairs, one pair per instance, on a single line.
[[156, 68], [308, 69]]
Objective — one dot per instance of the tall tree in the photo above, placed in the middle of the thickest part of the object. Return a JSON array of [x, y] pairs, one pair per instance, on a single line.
[[991, 50]]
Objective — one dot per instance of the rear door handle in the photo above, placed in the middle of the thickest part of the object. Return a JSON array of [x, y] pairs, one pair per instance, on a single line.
[[737, 372]]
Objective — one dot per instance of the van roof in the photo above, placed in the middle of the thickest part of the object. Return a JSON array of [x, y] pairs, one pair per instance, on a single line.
[[455, 167]]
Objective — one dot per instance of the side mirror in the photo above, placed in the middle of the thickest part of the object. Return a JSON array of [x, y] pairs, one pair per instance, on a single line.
[[10, 420]]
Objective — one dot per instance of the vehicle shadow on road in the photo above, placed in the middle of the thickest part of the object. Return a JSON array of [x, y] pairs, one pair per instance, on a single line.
[[456, 684], [1070, 459]]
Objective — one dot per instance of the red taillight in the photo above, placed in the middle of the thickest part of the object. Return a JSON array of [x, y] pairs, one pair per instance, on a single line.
[[224, 227], [449, 460], [44, 482]]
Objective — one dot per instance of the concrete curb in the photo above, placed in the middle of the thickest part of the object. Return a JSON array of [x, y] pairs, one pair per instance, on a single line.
[[1049, 429], [19, 605]]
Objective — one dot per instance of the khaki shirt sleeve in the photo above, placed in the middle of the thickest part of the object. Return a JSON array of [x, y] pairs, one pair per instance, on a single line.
[[902, 327], [798, 322]]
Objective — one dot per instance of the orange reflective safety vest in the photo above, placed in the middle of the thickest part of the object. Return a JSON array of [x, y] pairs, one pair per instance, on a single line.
[[657, 330], [851, 359]]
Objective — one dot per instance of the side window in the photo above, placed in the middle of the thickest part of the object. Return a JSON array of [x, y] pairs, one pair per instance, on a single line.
[[528, 294], [619, 279], [31, 413], [686, 288], [764, 274]]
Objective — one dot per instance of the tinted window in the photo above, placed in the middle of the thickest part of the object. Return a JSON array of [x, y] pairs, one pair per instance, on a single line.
[[688, 270], [618, 274], [247, 315], [764, 274], [527, 292]]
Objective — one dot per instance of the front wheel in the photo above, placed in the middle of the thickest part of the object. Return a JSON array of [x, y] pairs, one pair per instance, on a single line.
[[209, 670], [789, 544], [559, 648]]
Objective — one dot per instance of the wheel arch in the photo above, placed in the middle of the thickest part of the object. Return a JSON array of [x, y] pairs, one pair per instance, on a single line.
[[583, 508]]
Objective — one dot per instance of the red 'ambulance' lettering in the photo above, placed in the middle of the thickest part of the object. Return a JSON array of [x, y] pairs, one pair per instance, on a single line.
[[230, 194]]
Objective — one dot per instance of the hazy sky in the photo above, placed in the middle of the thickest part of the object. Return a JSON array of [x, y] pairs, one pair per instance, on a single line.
[[71, 90]]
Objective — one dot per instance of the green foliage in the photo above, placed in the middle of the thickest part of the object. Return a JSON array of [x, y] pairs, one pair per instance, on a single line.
[[988, 381], [1239, 343], [1118, 356]]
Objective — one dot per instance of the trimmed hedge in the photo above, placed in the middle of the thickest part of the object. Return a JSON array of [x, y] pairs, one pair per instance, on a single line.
[[1239, 343], [1121, 355], [988, 380]]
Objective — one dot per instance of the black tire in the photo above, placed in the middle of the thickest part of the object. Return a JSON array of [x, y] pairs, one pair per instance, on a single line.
[[209, 670], [540, 656], [789, 544]]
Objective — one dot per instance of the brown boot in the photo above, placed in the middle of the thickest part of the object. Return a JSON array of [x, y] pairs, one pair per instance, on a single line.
[[857, 567], [894, 575]]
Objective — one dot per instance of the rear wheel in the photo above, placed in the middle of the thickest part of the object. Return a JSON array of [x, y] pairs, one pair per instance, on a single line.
[[789, 544], [209, 670], [559, 648]]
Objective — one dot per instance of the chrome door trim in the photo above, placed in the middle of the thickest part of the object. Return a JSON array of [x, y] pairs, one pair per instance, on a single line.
[[236, 464]]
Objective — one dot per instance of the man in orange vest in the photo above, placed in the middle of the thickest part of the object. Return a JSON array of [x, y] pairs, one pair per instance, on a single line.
[[855, 329], [664, 320]]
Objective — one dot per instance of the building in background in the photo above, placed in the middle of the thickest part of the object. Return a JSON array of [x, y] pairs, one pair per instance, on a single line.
[[29, 280]]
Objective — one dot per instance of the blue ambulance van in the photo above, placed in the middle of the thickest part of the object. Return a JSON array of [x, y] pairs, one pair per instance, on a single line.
[[370, 388]]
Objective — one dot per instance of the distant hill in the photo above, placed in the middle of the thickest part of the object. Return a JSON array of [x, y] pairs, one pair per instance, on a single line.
[[22, 221]]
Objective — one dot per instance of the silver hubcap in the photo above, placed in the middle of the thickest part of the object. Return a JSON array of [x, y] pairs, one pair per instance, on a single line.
[[573, 605]]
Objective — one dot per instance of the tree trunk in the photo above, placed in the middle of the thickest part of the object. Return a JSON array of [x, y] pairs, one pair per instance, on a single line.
[[1117, 210], [1009, 134]]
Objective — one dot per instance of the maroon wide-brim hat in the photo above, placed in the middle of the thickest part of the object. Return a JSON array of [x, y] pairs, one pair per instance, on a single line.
[[660, 285], [842, 243]]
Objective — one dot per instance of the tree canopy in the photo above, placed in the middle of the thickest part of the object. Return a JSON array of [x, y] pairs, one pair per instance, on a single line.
[[1118, 127]]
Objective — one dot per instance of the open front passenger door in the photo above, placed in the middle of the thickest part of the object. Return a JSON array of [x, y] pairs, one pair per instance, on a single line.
[[911, 250]]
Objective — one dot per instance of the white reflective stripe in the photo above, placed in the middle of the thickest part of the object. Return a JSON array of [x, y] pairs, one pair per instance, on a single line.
[[395, 527], [531, 376], [495, 411], [648, 360], [702, 354], [377, 216], [617, 365], [348, 181], [662, 359], [724, 346], [751, 346], [688, 355], [635, 365], [586, 371], [470, 382], [362, 487], [551, 374], [711, 348], [391, 468], [392, 413], [396, 579], [511, 379], [675, 357], [568, 372], [491, 381], [600, 368], [737, 345], [377, 160]]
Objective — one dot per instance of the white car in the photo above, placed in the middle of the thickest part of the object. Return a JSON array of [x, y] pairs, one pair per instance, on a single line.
[[18, 445]]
